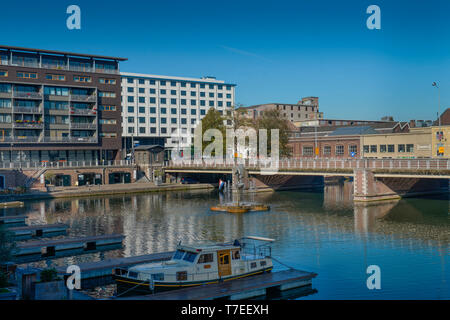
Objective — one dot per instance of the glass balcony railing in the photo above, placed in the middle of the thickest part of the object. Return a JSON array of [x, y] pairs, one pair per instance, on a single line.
[[58, 66], [83, 126], [27, 95]]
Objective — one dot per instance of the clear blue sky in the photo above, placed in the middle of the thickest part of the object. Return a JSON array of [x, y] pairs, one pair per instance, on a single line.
[[275, 51]]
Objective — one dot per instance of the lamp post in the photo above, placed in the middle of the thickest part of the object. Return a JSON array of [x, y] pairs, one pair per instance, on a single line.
[[434, 84]]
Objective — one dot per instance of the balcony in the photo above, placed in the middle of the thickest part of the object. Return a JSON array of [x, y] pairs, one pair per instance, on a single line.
[[83, 112], [83, 98], [28, 125], [28, 95], [50, 66], [83, 126], [69, 140], [19, 139], [27, 110]]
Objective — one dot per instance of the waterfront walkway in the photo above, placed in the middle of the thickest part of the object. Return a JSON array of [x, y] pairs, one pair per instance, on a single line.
[[101, 190]]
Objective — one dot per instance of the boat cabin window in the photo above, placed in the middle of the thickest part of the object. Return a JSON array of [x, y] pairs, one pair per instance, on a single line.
[[206, 258], [132, 274], [178, 255], [158, 276], [181, 275], [190, 256], [236, 255]]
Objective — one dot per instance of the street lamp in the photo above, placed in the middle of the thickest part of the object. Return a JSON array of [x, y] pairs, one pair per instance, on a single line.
[[434, 84]]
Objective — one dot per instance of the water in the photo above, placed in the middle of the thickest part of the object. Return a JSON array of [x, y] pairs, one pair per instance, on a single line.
[[323, 232]]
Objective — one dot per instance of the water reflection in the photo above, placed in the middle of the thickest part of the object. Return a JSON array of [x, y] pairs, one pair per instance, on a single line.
[[320, 232]]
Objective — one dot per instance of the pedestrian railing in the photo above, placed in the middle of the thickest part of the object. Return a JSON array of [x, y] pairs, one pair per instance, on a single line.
[[64, 164]]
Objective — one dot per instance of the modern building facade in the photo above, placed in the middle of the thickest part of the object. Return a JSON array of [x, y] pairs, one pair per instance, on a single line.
[[306, 109], [59, 106], [155, 108]]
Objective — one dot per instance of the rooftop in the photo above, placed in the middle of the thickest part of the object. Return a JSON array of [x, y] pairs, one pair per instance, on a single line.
[[162, 77], [63, 53]]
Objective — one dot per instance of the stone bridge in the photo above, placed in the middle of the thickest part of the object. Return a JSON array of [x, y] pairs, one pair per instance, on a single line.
[[373, 179]]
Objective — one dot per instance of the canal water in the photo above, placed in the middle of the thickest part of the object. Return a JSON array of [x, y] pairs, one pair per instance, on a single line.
[[319, 231]]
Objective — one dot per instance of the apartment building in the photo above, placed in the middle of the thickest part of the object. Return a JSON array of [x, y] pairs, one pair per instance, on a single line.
[[305, 109], [155, 108], [59, 106]]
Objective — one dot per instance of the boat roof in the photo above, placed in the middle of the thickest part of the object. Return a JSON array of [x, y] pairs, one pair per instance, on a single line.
[[207, 247]]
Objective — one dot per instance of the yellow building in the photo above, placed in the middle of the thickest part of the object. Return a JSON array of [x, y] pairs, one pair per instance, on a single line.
[[417, 143]]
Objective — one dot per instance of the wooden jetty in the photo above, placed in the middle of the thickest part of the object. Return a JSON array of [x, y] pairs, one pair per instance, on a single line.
[[13, 220], [39, 231], [48, 248], [94, 274], [245, 288], [11, 204]]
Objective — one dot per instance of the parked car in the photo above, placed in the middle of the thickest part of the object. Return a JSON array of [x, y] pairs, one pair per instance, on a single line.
[[188, 180]]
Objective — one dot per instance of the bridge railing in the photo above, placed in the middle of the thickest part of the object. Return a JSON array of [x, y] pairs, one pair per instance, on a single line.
[[319, 163], [64, 164]]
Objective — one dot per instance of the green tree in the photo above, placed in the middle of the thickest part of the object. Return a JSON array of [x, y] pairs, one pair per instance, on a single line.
[[213, 120], [272, 119]]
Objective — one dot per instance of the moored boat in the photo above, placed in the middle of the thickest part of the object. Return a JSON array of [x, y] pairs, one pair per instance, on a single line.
[[198, 265]]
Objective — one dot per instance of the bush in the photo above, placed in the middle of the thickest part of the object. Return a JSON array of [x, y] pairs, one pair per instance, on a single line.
[[49, 275]]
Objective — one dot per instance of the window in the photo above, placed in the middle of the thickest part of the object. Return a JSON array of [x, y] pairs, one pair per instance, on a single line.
[[163, 110], [327, 150], [193, 112], [163, 91], [108, 135], [391, 148], [173, 92], [178, 255], [152, 100], [108, 121], [106, 94], [152, 91], [193, 94], [163, 130], [26, 75], [141, 81], [81, 79], [206, 258], [107, 108], [173, 101], [130, 89], [173, 110], [130, 80], [153, 109], [366, 149], [183, 93], [141, 130], [130, 130], [131, 109], [409, 148], [152, 82], [373, 149], [56, 91], [158, 276], [181, 275], [193, 102], [383, 148], [253, 265], [183, 121], [401, 148], [173, 84], [190, 256], [183, 102], [211, 103], [141, 119], [3, 73], [193, 85], [162, 83], [152, 120], [262, 263], [141, 99], [130, 119], [339, 150], [352, 148], [142, 90], [141, 109], [236, 255], [163, 100], [308, 151], [183, 84], [202, 94], [106, 81], [163, 120], [211, 94], [183, 111], [173, 120], [211, 86], [130, 99], [202, 112], [58, 77]]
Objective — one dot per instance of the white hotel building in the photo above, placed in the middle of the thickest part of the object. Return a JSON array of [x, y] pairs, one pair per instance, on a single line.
[[155, 107]]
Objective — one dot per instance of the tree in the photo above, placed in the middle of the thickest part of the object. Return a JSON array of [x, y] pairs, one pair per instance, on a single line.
[[272, 119], [213, 120]]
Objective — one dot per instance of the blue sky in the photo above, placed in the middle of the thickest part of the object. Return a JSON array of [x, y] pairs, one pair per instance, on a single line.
[[275, 51]]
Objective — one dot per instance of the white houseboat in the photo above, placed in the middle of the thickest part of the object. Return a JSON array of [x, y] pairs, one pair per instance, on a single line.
[[197, 265]]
